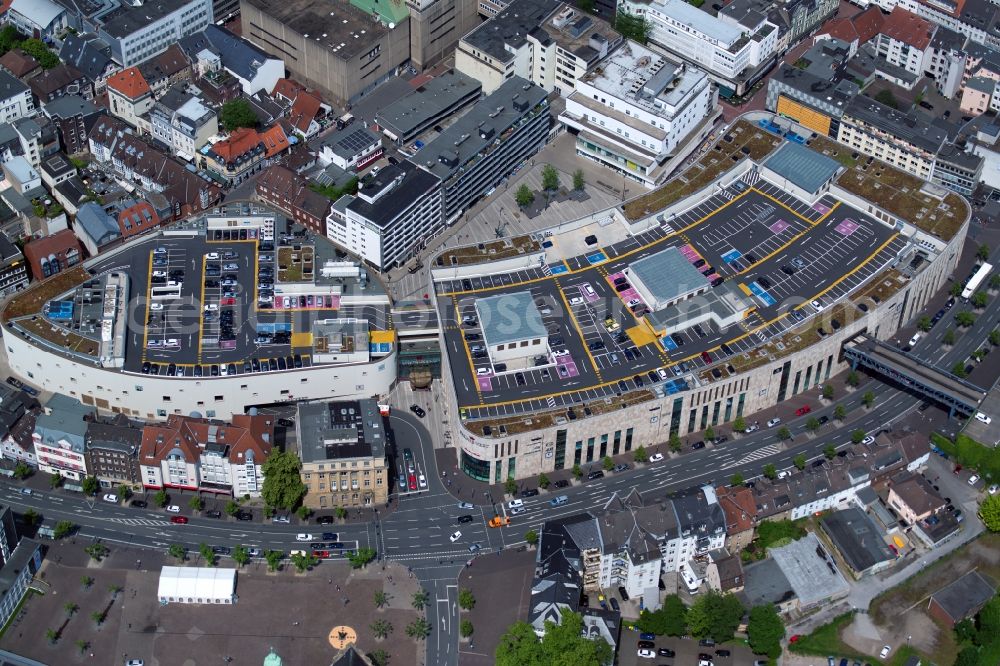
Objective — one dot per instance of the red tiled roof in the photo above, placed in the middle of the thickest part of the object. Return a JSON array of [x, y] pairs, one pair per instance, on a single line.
[[868, 23], [739, 506], [287, 88], [190, 435], [60, 241], [129, 83], [842, 29], [140, 217], [18, 63], [239, 142], [274, 141], [304, 109], [907, 27]]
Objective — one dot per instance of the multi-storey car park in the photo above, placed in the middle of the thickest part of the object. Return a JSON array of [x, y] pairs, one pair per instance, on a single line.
[[731, 288], [211, 316]]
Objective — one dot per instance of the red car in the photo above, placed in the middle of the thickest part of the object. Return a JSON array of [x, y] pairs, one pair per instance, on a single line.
[[228, 300], [413, 481], [322, 554], [803, 410], [706, 357], [179, 520]]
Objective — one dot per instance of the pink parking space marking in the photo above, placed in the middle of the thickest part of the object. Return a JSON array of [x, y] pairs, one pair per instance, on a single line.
[[586, 297], [847, 227], [567, 367], [820, 208], [485, 382], [778, 227]]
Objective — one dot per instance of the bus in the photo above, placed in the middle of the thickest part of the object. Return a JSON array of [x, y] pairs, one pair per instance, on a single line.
[[976, 280]]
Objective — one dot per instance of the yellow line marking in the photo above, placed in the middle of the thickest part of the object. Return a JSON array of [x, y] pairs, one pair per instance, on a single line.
[[468, 352], [791, 240], [576, 325], [201, 315], [149, 298], [745, 289], [789, 209], [858, 267]]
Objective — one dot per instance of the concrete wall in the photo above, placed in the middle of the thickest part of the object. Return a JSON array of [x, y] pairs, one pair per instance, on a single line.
[[519, 262]]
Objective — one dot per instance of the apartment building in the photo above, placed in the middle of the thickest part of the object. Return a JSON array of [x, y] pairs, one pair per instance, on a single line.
[[636, 110], [36, 18], [111, 450], [905, 40], [281, 187], [60, 437], [183, 122], [252, 67], [735, 55], [484, 146], [794, 18], [207, 455], [245, 152], [15, 98], [344, 456], [979, 20], [393, 215], [129, 97], [548, 43]]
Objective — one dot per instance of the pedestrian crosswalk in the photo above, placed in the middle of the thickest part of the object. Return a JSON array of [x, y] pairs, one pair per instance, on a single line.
[[751, 177], [550, 401], [763, 452], [148, 522]]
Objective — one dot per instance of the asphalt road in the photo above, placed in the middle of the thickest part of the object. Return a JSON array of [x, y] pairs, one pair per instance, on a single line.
[[417, 532]]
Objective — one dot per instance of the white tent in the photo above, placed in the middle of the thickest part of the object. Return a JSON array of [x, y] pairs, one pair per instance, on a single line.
[[197, 585]]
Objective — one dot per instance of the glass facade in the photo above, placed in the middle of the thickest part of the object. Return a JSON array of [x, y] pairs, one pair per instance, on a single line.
[[560, 461], [476, 468]]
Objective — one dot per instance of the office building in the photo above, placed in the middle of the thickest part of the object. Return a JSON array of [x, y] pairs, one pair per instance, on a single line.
[[433, 102], [138, 32], [344, 455], [636, 110], [436, 26], [15, 576]]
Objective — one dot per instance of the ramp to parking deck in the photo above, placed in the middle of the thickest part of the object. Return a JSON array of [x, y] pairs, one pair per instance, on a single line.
[[304, 339], [932, 382], [640, 335]]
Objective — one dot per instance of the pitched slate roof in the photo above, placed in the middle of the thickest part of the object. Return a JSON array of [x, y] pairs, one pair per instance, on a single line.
[[18, 63], [87, 53], [237, 55]]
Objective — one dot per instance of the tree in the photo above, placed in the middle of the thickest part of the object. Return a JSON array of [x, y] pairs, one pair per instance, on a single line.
[[90, 485], [241, 556], [63, 529], [578, 181], [283, 487], [22, 470], [531, 536], [550, 178], [969, 656], [196, 503], [86, 581], [55, 481], [887, 98], [989, 511], [710, 433], [839, 412], [303, 561], [206, 554], [765, 631], [830, 451], [994, 337], [32, 517], [70, 608], [420, 599], [784, 433], [465, 628], [736, 480], [381, 628], [668, 620], [868, 398], [857, 436], [466, 600], [577, 471], [812, 424], [965, 319], [232, 508], [924, 324], [608, 464], [419, 629], [675, 442], [640, 455], [770, 471], [114, 589], [561, 644], [716, 615], [340, 512], [524, 197], [237, 113], [740, 424], [632, 27], [956, 289], [161, 498], [274, 558], [510, 486], [379, 658], [124, 491], [979, 300], [949, 337], [37, 49], [852, 379], [983, 252], [52, 636], [586, 6], [177, 551], [543, 481], [362, 557], [97, 617], [959, 369], [828, 392], [800, 461], [988, 622], [965, 630], [97, 551], [9, 38], [381, 599], [303, 512]]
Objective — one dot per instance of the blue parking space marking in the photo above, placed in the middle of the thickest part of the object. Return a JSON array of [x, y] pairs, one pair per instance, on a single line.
[[675, 386], [269, 327], [597, 258], [556, 269], [759, 292], [668, 343], [731, 256], [379, 347]]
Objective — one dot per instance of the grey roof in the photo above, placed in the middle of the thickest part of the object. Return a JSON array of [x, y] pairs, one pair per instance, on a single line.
[[421, 108], [66, 421], [12, 569], [764, 583], [469, 136], [330, 23], [96, 223], [56, 165], [88, 54], [329, 431], [857, 538], [813, 577], [982, 84], [115, 436], [510, 318], [347, 142], [805, 168], [10, 86], [237, 55], [510, 27], [703, 22], [392, 190], [910, 127], [129, 18], [667, 274], [557, 583], [965, 596], [945, 38], [40, 12], [68, 106]]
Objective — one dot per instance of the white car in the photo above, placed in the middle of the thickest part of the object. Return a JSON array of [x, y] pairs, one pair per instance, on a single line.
[[515, 503], [135, 662], [662, 373], [634, 302], [212, 256], [973, 479], [646, 653], [302, 536], [656, 457], [422, 480], [517, 510], [914, 339], [482, 371], [173, 508], [773, 422], [455, 537], [753, 427], [561, 352], [819, 306], [576, 300], [983, 418], [111, 497], [885, 652], [784, 474], [992, 490], [155, 306], [466, 505]]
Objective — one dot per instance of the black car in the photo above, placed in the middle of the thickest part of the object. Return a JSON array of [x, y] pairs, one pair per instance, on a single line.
[[666, 652], [698, 445], [281, 363], [418, 410], [723, 653], [244, 515], [699, 263], [298, 360], [145, 368], [599, 474], [330, 536], [213, 514], [614, 605], [325, 520], [622, 593], [273, 364], [556, 340], [471, 336], [286, 423], [646, 645], [622, 287], [221, 550], [621, 467], [464, 519], [638, 380], [726, 349], [139, 504], [529, 492], [823, 420], [620, 280], [595, 345], [678, 340], [215, 371], [706, 642], [562, 483]]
